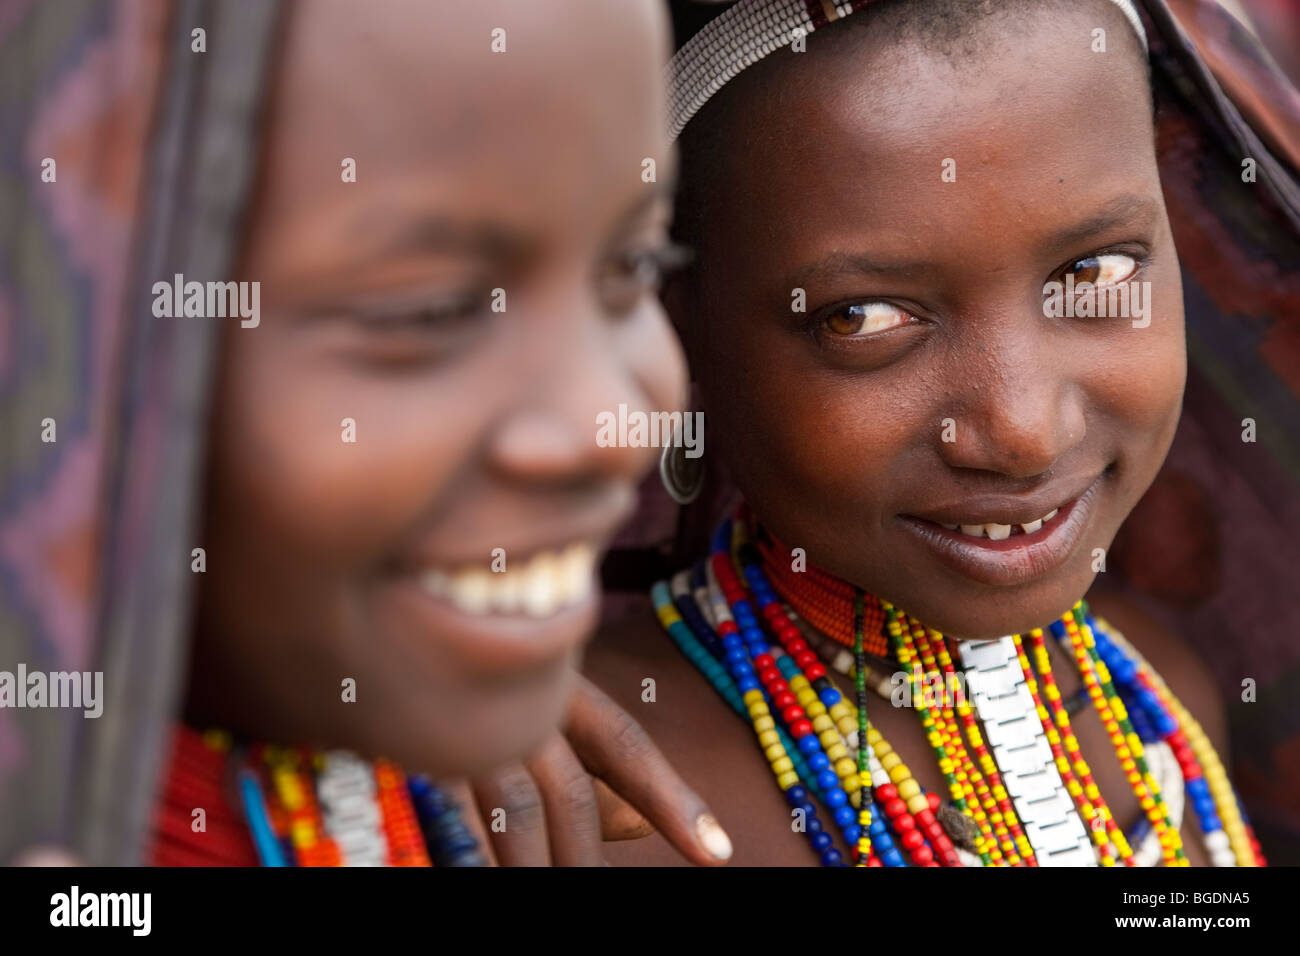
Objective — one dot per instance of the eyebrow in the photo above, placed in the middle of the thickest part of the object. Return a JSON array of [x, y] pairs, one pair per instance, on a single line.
[[1122, 210], [1116, 212], [660, 191], [483, 239], [839, 264]]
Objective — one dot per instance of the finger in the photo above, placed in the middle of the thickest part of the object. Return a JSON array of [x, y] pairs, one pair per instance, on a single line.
[[511, 806], [45, 856], [569, 801], [619, 820], [615, 748], [460, 792]]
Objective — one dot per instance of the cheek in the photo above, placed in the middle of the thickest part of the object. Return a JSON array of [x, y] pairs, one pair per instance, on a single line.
[[325, 464], [1139, 385], [804, 445], [655, 359]]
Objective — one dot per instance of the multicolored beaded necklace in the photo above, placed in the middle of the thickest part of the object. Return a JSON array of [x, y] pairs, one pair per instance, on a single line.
[[1020, 792], [280, 806]]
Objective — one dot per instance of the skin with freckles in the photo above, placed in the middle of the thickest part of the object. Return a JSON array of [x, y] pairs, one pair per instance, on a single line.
[[474, 428], [925, 306]]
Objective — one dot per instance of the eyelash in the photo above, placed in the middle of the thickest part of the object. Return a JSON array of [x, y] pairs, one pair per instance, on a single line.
[[645, 268], [427, 316], [817, 327], [666, 256], [1140, 257]]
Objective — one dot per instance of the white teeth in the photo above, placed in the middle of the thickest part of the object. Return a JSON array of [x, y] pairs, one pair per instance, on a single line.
[[579, 562], [1000, 532], [541, 585], [469, 590], [546, 583], [509, 592]]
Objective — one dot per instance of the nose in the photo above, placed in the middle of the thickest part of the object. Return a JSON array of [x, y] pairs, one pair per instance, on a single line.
[[1018, 408], [550, 434]]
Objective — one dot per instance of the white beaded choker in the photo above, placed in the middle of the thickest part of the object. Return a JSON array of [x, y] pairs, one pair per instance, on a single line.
[[743, 34]]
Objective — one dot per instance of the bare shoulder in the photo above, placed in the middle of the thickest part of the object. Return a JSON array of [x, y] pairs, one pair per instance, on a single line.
[[637, 664], [627, 649], [709, 745], [1182, 668]]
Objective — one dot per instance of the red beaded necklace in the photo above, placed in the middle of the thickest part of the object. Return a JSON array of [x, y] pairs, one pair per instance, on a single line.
[[197, 780], [284, 806], [820, 598]]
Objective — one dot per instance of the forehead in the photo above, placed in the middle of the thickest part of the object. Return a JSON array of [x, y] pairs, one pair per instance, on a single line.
[[856, 132], [417, 95]]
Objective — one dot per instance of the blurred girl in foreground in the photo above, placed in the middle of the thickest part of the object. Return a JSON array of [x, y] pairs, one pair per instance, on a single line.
[[386, 538]]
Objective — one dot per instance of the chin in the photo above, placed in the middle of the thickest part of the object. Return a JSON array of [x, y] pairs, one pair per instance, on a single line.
[[993, 615], [491, 729]]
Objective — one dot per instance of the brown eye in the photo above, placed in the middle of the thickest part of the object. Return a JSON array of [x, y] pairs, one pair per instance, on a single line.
[[865, 318], [1102, 270]]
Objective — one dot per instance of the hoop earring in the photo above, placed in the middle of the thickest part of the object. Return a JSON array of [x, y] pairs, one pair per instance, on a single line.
[[682, 477]]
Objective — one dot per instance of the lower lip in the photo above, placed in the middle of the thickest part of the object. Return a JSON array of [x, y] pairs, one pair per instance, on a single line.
[[1018, 559], [502, 644]]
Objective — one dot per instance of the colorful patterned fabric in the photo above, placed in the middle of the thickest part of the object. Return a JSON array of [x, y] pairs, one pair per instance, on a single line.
[[1234, 598], [152, 144]]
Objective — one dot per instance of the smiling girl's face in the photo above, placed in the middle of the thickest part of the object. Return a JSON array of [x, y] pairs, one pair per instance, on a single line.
[[443, 561], [926, 385]]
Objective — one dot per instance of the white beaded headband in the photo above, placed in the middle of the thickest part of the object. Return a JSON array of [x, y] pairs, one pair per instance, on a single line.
[[743, 34]]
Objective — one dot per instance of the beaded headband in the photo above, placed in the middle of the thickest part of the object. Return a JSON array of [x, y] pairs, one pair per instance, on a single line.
[[743, 34]]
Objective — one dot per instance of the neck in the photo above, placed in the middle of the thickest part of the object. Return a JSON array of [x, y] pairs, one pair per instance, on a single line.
[[823, 600]]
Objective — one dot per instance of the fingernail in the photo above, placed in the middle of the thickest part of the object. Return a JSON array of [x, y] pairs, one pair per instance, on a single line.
[[712, 837]]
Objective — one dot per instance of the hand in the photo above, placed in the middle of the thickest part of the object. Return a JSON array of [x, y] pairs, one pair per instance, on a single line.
[[45, 856], [601, 779]]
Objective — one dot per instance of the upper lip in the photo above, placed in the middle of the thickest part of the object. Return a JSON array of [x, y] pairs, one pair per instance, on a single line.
[[597, 525], [1006, 509]]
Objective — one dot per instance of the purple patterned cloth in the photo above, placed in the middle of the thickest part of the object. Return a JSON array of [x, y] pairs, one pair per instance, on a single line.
[[124, 156]]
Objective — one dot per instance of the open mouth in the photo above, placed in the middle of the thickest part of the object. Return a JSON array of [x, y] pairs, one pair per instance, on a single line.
[[542, 585], [1000, 532], [517, 606], [1006, 548], [528, 617]]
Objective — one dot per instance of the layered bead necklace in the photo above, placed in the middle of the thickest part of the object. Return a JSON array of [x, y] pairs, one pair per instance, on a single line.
[[281, 806], [1020, 793]]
